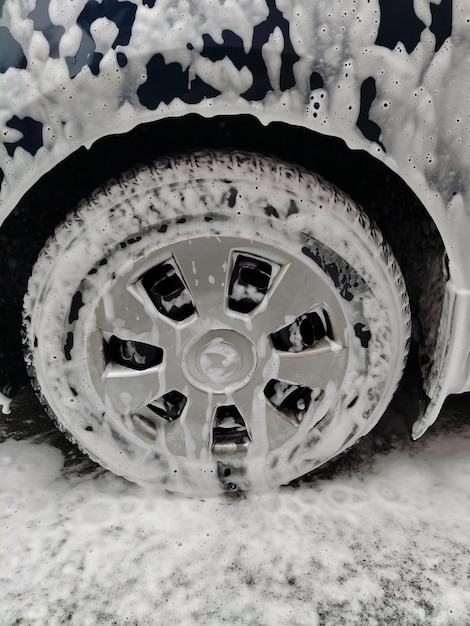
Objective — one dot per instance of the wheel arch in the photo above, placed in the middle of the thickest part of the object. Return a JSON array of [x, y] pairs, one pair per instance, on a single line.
[[386, 198]]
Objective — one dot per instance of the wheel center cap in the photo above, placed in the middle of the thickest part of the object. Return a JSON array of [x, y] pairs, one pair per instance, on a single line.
[[219, 361]]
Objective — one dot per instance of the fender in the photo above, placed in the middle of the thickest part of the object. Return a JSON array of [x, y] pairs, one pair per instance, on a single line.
[[387, 77]]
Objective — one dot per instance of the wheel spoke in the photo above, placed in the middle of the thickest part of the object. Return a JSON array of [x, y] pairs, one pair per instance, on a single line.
[[197, 422], [120, 310], [244, 400], [128, 392], [128, 389], [295, 292], [253, 407], [311, 368], [266, 425], [203, 264], [278, 429]]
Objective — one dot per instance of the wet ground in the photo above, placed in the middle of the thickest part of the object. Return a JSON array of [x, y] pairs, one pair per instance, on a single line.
[[380, 536]]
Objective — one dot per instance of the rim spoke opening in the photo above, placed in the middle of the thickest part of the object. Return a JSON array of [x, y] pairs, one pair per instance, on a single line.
[[168, 292], [148, 420], [170, 406], [250, 279], [291, 401], [305, 332], [230, 436], [133, 355]]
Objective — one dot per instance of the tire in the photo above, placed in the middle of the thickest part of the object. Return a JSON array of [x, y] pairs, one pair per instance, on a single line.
[[216, 321]]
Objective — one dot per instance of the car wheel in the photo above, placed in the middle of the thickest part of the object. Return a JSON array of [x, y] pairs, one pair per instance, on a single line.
[[216, 321]]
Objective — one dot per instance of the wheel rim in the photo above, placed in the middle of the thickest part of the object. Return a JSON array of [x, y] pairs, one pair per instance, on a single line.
[[216, 347]]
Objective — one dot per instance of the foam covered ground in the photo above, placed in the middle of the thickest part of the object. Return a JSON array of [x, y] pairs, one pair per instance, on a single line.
[[382, 540]]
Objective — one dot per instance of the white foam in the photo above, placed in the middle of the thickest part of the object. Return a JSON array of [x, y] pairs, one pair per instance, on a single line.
[[386, 542], [27, 467], [5, 402]]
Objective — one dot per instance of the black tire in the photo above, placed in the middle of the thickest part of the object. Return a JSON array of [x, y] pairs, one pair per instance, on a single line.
[[113, 310]]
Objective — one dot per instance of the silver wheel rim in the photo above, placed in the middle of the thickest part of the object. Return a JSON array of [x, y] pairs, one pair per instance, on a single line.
[[217, 347]]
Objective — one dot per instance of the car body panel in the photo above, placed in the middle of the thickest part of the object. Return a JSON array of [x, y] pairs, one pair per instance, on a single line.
[[387, 76]]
